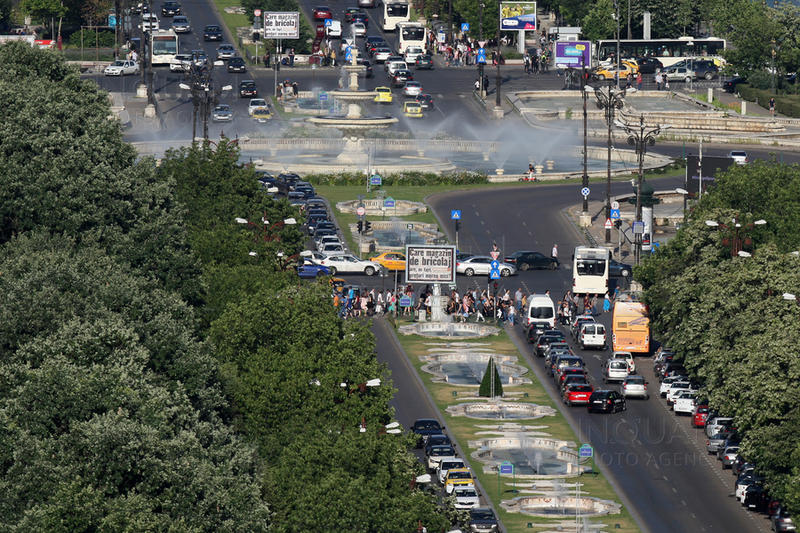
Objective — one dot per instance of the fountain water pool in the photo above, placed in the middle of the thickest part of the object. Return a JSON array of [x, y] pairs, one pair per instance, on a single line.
[[464, 368], [547, 506], [497, 410]]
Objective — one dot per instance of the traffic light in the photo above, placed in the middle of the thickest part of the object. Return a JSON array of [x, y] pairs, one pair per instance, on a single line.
[[361, 226], [367, 226], [618, 223]]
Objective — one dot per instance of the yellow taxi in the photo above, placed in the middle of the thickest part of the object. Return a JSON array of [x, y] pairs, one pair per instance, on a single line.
[[384, 95], [337, 284], [412, 109], [458, 477], [607, 73], [262, 114], [391, 260]]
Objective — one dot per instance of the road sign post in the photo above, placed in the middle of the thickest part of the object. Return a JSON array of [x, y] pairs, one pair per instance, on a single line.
[[455, 215]]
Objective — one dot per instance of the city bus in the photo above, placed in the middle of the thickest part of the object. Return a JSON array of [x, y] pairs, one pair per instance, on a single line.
[[411, 34], [668, 51], [394, 11], [164, 46], [590, 270], [630, 327]]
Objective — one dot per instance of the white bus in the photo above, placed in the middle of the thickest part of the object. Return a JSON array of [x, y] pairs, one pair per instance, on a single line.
[[164, 46], [411, 34], [590, 270], [394, 11], [668, 51]]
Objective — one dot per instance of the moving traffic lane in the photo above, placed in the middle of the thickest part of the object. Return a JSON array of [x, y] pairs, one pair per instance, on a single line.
[[659, 465]]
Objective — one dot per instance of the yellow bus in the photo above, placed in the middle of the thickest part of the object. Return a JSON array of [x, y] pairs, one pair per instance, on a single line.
[[630, 327]]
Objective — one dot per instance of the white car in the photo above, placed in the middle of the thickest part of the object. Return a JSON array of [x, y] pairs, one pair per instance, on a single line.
[[635, 387], [327, 239], [444, 466], [674, 389], [394, 66], [667, 383], [412, 88], [312, 256], [329, 248], [346, 263], [121, 67], [592, 335], [739, 157], [628, 357], [615, 370], [359, 30], [256, 103], [412, 53], [381, 54], [149, 22], [438, 454], [222, 113], [181, 63], [685, 402], [482, 265], [466, 498], [717, 424]]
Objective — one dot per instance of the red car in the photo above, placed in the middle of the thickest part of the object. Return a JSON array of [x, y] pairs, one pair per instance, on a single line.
[[577, 394], [700, 416], [322, 13]]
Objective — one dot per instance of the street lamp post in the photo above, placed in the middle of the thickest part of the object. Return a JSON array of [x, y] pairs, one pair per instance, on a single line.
[[640, 137], [585, 177], [497, 80], [609, 101], [204, 95], [738, 235], [616, 16], [481, 88]]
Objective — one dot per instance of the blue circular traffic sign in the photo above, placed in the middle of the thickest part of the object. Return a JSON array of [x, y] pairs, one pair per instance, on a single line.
[[585, 191]]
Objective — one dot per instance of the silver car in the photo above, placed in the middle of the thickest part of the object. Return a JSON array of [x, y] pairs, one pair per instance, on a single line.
[[715, 441], [226, 51], [482, 265], [634, 387], [222, 113], [180, 24]]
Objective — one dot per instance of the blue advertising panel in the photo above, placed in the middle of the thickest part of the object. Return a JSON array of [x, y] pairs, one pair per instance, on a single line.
[[573, 54]]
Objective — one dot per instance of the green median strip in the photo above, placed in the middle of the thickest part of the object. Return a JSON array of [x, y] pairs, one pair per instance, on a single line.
[[464, 429]]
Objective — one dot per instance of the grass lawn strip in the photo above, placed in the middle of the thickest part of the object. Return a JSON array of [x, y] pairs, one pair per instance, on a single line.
[[464, 429]]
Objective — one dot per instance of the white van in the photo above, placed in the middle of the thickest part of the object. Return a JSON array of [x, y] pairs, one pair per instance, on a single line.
[[335, 29], [541, 310], [593, 335]]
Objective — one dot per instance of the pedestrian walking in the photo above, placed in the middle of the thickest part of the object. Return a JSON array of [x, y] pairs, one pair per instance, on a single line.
[[606, 303], [527, 61], [772, 107], [554, 251], [639, 81], [659, 80], [518, 299]]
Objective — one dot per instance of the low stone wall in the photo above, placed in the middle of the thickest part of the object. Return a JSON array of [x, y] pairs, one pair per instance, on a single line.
[[374, 207]]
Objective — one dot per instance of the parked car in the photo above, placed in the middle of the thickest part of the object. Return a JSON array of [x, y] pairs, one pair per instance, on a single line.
[[121, 67], [649, 65], [526, 259], [729, 456], [676, 73], [634, 387], [673, 390], [438, 453], [704, 68], [447, 464], [222, 113], [212, 32], [312, 270], [606, 401], [425, 427], [481, 265], [782, 521], [483, 519], [180, 24], [684, 402], [699, 416], [717, 424], [577, 394], [615, 370], [715, 441], [458, 477], [667, 383], [466, 498]]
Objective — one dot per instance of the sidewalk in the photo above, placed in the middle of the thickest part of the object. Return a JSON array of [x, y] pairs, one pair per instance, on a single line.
[[753, 109]]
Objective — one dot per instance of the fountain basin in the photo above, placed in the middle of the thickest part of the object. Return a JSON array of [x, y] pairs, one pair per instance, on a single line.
[[548, 506], [533, 457], [467, 368], [501, 410], [449, 330]]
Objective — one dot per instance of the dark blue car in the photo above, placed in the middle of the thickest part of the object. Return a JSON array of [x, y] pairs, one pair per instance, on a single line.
[[312, 270]]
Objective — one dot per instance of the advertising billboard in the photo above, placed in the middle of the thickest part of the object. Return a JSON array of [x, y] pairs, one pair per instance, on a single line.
[[712, 165], [573, 54], [430, 264], [517, 16], [281, 25]]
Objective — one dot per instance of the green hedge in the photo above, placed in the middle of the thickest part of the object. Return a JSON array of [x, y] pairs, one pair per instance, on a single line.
[[406, 178], [105, 39], [788, 105]]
